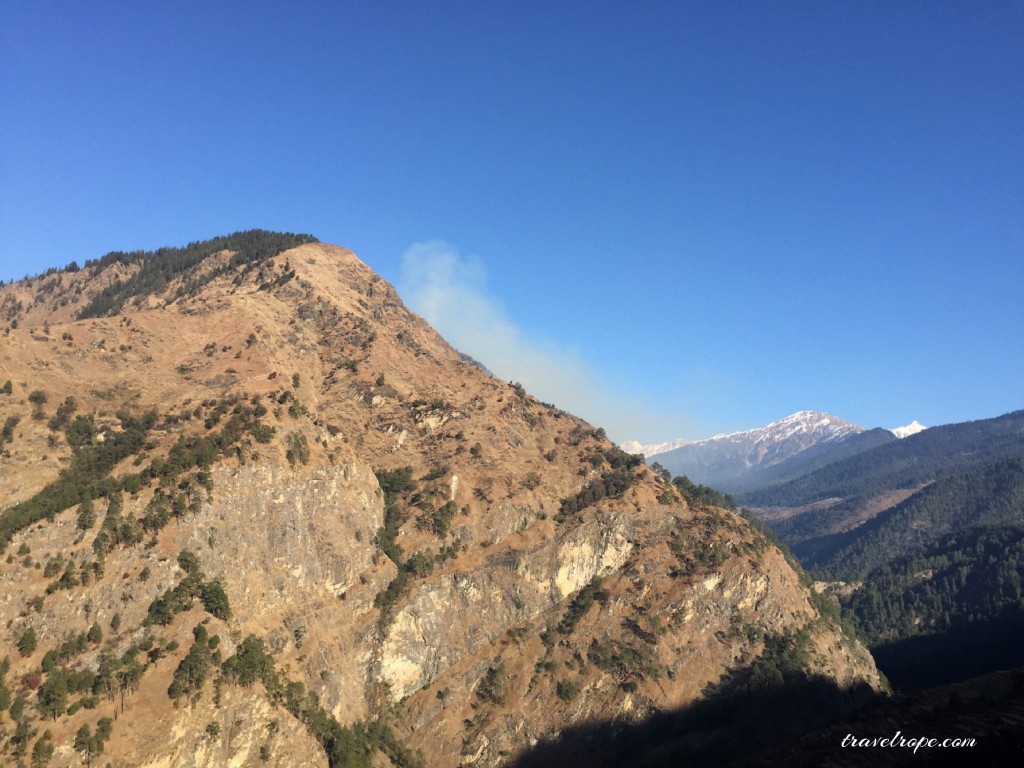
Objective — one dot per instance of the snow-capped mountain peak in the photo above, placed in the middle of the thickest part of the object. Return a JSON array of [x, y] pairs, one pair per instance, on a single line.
[[724, 460], [822, 426], [910, 429], [635, 446], [800, 430]]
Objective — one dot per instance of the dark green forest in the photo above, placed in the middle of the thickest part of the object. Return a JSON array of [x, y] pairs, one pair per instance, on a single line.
[[987, 495], [966, 577], [950, 613], [941, 597], [88, 477], [158, 268]]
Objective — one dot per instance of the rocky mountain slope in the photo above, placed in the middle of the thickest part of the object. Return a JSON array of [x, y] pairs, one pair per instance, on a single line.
[[257, 512]]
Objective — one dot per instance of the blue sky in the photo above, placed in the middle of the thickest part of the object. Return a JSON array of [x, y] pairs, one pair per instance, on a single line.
[[674, 219]]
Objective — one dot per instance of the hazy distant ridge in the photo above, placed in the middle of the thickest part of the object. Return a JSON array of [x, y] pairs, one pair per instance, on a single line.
[[727, 461]]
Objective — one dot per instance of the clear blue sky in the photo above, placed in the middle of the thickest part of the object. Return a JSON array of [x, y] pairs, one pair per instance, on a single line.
[[682, 218]]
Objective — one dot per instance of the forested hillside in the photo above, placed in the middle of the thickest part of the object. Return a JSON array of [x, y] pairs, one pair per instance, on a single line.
[[953, 611], [906, 463], [987, 495], [965, 577]]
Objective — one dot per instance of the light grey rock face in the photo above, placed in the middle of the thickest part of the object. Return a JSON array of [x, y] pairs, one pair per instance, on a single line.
[[295, 552], [310, 532], [683, 626], [452, 617]]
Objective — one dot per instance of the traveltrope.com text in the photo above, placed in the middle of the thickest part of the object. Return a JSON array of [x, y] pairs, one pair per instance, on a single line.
[[899, 740]]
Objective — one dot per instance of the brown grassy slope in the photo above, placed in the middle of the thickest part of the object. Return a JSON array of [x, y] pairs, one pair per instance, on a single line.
[[341, 364]]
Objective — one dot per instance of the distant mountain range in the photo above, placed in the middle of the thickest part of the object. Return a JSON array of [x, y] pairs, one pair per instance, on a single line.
[[918, 533], [826, 515], [900, 465], [783, 450]]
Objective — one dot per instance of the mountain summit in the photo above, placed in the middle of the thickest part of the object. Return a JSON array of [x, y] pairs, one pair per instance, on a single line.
[[263, 513], [635, 446], [910, 429], [729, 461], [809, 426]]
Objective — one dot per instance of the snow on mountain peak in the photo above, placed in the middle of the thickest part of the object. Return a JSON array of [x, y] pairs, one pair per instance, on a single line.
[[726, 459], [814, 424], [800, 423], [910, 429], [634, 446]]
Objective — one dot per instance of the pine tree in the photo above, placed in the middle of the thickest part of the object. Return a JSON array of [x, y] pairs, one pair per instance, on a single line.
[[27, 642]]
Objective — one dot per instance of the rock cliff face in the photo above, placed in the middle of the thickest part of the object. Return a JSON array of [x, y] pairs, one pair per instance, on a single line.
[[385, 518]]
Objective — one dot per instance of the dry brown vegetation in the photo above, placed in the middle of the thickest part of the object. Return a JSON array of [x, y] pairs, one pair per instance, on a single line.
[[448, 614]]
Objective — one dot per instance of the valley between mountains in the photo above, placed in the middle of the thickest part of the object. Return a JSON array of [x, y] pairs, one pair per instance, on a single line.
[[916, 534], [257, 512]]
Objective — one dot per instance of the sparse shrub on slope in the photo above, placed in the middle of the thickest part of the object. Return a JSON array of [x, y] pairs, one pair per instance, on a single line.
[[86, 478]]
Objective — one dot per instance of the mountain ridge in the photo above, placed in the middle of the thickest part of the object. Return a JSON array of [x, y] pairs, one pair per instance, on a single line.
[[650, 450], [365, 522], [902, 463], [729, 461]]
